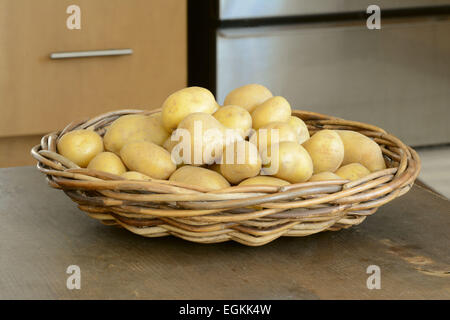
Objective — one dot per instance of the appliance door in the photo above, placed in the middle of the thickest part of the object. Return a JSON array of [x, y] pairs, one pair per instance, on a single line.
[[248, 9], [397, 78]]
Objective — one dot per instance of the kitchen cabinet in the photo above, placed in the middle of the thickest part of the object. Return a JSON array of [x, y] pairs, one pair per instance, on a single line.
[[39, 94]]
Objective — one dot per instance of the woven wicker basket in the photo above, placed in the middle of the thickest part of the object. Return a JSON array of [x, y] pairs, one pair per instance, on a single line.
[[251, 215]]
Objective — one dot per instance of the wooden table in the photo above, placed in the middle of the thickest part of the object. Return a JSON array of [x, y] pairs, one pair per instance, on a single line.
[[42, 232]]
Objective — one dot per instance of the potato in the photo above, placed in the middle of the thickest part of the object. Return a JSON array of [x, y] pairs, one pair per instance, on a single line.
[[262, 138], [184, 102], [300, 128], [214, 167], [134, 127], [264, 180], [326, 150], [206, 136], [240, 160], [273, 109], [80, 146], [361, 149], [107, 162], [248, 96], [352, 171], [201, 177], [134, 175], [235, 117], [148, 158], [292, 163], [325, 175]]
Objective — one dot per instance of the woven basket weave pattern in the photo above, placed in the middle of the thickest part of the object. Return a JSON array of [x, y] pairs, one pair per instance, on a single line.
[[251, 215]]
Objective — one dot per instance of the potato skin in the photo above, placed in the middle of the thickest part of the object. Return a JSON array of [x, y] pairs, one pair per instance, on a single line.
[[235, 117], [240, 166], [326, 150], [183, 102], [107, 162], [361, 149], [200, 177], [148, 158], [352, 171], [134, 175], [323, 176], [134, 127], [248, 96], [80, 146], [300, 128], [264, 180], [285, 133], [294, 163], [273, 109]]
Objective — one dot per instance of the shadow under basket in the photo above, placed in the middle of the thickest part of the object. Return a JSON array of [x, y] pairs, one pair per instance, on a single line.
[[251, 215]]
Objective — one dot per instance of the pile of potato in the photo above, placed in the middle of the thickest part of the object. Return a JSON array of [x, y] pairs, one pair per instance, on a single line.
[[142, 147]]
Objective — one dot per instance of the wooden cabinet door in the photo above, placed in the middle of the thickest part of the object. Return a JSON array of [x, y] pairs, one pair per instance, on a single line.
[[38, 94]]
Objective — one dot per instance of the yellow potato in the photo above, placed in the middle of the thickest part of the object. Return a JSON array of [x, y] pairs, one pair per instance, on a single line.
[[214, 167], [201, 177], [248, 96], [80, 146], [361, 149], [240, 161], [271, 110], [352, 171], [326, 150], [235, 117], [325, 175], [107, 162], [272, 133], [292, 163], [148, 158], [300, 128], [264, 180], [134, 175], [134, 127], [184, 102], [205, 137]]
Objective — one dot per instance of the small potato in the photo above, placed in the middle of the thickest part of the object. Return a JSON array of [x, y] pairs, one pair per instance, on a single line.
[[326, 150], [264, 180], [361, 149], [134, 127], [272, 133], [184, 102], [271, 110], [107, 162], [352, 171], [201, 177], [80, 146], [300, 128], [292, 164], [148, 158], [134, 175], [323, 176], [240, 161], [248, 96], [235, 117]]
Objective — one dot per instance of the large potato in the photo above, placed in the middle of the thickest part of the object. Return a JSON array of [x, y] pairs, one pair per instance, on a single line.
[[134, 127], [292, 163], [361, 149], [326, 150], [184, 102], [273, 133], [352, 171], [80, 146], [300, 128], [323, 176], [235, 117], [248, 96], [273, 109], [107, 162], [240, 161], [148, 158], [134, 175], [201, 177], [264, 180]]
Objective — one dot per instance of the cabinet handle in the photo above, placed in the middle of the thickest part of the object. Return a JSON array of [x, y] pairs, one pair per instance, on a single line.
[[90, 53]]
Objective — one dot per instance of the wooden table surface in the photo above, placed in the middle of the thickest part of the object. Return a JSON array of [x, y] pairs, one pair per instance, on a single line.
[[42, 232]]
